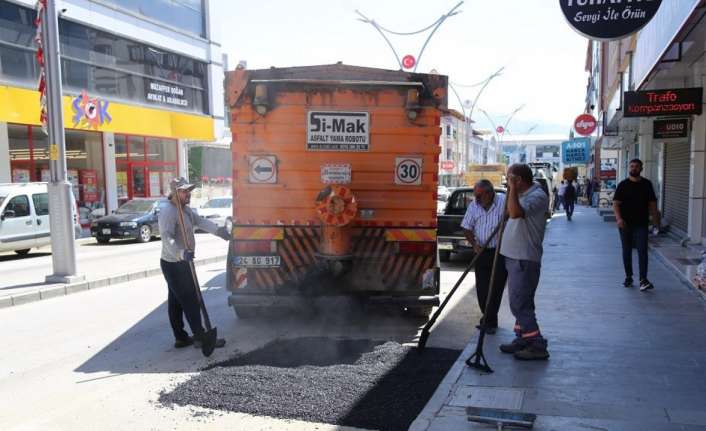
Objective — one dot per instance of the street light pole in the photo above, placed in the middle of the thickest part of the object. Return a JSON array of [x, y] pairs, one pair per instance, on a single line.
[[60, 197]]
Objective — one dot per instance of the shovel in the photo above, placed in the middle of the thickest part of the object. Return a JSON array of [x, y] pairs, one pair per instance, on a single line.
[[208, 342]]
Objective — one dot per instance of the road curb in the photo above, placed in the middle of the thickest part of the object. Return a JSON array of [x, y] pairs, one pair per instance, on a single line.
[[68, 289], [444, 391], [680, 275]]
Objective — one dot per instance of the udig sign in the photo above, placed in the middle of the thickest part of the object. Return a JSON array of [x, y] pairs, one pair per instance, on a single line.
[[585, 124], [609, 19]]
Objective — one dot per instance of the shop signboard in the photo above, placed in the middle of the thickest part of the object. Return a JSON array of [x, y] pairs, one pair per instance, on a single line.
[[88, 179], [608, 20], [674, 128], [576, 151], [167, 94], [448, 165], [667, 102], [585, 124]]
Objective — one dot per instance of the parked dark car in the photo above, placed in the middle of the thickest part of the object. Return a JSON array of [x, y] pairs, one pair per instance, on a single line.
[[449, 230], [135, 219]]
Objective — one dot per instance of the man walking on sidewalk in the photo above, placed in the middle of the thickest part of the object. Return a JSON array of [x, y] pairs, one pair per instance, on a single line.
[[483, 215], [569, 199], [633, 202], [522, 247], [182, 298]]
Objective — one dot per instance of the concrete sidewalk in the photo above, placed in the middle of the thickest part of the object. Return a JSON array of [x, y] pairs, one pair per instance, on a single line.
[[620, 359], [102, 265]]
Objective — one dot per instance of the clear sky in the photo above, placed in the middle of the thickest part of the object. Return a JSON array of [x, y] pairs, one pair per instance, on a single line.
[[543, 57]]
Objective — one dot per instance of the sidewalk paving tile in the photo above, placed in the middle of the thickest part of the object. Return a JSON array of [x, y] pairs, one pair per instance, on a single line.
[[621, 359]]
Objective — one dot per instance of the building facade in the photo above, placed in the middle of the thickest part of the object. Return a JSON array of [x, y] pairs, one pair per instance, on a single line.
[[455, 146], [533, 148], [141, 80], [665, 59]]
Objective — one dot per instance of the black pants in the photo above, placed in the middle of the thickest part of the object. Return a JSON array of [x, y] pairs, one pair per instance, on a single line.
[[483, 269], [634, 236], [182, 299], [569, 206]]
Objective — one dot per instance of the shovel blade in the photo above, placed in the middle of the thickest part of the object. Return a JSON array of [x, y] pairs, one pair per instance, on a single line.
[[208, 345]]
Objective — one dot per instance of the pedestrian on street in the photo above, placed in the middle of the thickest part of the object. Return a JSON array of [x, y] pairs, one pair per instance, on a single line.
[[570, 199], [182, 298], [633, 202], [522, 248], [589, 192], [562, 191], [555, 193], [482, 217], [595, 192]]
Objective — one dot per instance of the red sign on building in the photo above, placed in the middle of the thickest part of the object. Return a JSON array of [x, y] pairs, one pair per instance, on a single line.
[[448, 165], [585, 124], [88, 181], [652, 103]]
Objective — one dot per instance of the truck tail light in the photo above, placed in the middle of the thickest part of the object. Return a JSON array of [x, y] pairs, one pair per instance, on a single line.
[[416, 248], [251, 247]]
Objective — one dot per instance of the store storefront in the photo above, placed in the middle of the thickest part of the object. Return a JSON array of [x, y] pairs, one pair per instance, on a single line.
[[129, 110]]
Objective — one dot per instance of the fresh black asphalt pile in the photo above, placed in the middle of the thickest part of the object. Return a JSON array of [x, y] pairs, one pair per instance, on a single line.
[[359, 383]]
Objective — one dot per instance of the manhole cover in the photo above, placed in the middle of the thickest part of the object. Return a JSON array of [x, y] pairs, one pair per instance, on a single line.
[[496, 398]]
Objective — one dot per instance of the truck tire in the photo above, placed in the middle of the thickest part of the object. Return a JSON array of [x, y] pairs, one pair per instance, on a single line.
[[22, 252], [103, 239], [444, 255]]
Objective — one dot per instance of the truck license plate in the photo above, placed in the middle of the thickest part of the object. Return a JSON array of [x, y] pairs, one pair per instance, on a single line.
[[257, 261], [106, 231], [446, 246]]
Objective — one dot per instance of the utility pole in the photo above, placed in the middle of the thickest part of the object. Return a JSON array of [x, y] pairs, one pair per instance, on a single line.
[[61, 199]]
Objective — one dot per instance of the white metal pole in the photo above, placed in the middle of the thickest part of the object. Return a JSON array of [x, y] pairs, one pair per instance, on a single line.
[[61, 201]]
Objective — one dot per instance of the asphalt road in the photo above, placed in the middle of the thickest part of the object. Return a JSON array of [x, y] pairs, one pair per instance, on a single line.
[[95, 261], [100, 359]]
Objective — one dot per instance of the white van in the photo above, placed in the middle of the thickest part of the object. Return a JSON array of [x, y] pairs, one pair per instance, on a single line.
[[24, 217]]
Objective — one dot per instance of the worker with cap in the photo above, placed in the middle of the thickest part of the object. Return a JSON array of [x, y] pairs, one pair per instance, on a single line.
[[176, 260]]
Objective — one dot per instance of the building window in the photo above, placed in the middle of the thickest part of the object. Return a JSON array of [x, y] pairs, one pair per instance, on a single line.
[[104, 64], [187, 15], [29, 162], [145, 165]]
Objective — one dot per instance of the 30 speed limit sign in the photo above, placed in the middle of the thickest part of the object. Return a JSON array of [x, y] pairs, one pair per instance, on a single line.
[[408, 171]]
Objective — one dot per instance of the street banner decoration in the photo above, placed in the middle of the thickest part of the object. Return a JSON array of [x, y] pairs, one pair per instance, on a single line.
[[585, 124], [608, 20], [672, 128], [576, 152], [669, 102], [90, 113], [42, 84]]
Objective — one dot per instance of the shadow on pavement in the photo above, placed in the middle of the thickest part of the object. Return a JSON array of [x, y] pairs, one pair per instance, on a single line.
[[19, 286], [147, 347], [14, 256]]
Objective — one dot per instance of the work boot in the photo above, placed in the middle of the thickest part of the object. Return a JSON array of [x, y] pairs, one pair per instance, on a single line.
[[180, 343], [517, 344], [535, 349], [646, 285], [627, 282], [220, 342]]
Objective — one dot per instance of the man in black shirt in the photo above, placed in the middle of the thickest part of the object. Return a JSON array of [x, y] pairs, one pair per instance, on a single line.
[[633, 202]]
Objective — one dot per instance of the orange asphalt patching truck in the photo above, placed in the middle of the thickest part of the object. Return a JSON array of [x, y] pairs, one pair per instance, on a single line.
[[334, 186]]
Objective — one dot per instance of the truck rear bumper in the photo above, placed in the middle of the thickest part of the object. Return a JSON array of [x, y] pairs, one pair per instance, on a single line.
[[241, 300]]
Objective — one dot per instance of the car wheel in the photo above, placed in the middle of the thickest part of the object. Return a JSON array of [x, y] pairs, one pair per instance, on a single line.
[[22, 252], [103, 239], [145, 234], [444, 255]]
